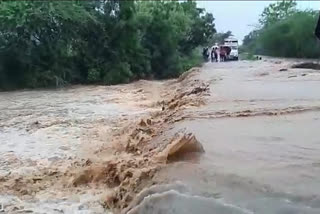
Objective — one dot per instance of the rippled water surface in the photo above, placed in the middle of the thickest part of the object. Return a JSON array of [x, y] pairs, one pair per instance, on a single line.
[[259, 129], [44, 129], [255, 162]]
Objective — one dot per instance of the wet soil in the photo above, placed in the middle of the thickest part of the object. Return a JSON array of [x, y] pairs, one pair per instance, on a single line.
[[310, 65]]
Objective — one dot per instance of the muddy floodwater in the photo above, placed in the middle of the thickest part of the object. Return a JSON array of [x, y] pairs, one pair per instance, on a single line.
[[258, 125], [260, 133], [53, 129]]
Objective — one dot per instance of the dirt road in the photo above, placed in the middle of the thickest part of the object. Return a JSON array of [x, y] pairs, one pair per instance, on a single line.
[[92, 149]]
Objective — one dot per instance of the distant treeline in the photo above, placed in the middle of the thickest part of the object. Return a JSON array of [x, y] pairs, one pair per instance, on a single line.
[[284, 31], [51, 43]]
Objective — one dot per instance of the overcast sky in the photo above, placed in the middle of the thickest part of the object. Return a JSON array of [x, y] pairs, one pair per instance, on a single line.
[[240, 16]]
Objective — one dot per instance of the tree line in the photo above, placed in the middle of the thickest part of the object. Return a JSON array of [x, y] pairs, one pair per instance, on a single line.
[[284, 31], [52, 43]]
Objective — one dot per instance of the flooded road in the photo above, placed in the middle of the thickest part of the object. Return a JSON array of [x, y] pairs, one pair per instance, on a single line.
[[260, 133], [90, 149]]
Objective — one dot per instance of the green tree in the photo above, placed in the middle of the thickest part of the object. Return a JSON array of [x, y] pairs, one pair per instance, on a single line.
[[220, 37], [292, 37], [35, 41], [277, 11], [49, 43], [173, 31], [285, 32]]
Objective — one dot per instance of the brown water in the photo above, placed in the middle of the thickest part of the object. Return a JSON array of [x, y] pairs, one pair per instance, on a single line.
[[260, 131], [51, 130]]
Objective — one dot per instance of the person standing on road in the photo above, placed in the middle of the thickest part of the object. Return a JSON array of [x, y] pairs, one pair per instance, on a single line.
[[205, 53], [216, 53], [222, 54], [213, 54]]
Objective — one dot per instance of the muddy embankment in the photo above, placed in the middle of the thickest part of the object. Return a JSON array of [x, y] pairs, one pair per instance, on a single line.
[[110, 173], [138, 155]]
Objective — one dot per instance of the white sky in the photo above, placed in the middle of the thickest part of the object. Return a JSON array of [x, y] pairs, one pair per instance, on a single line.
[[240, 16]]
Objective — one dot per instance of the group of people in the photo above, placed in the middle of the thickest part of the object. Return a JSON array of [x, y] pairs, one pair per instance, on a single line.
[[216, 54]]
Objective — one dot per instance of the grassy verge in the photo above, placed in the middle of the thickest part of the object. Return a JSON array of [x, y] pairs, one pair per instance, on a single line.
[[247, 56]]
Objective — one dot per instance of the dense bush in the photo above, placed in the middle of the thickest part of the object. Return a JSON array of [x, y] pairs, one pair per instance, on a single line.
[[284, 32], [292, 37], [50, 43]]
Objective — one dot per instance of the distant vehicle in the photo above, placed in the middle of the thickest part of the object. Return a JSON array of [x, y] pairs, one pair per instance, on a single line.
[[232, 44]]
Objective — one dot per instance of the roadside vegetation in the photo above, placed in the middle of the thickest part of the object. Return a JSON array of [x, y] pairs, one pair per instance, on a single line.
[[220, 37], [53, 43], [247, 56], [284, 31]]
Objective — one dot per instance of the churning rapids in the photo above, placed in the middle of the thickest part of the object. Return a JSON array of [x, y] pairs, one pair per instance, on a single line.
[[251, 127]]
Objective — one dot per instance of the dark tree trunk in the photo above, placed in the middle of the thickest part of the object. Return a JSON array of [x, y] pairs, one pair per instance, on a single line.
[[317, 31]]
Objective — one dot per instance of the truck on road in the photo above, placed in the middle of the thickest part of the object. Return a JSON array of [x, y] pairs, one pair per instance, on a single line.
[[231, 44]]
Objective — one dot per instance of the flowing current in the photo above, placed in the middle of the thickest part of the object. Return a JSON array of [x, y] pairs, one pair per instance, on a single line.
[[260, 131]]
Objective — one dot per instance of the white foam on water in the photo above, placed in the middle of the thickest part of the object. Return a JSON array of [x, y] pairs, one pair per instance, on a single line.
[[173, 201]]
